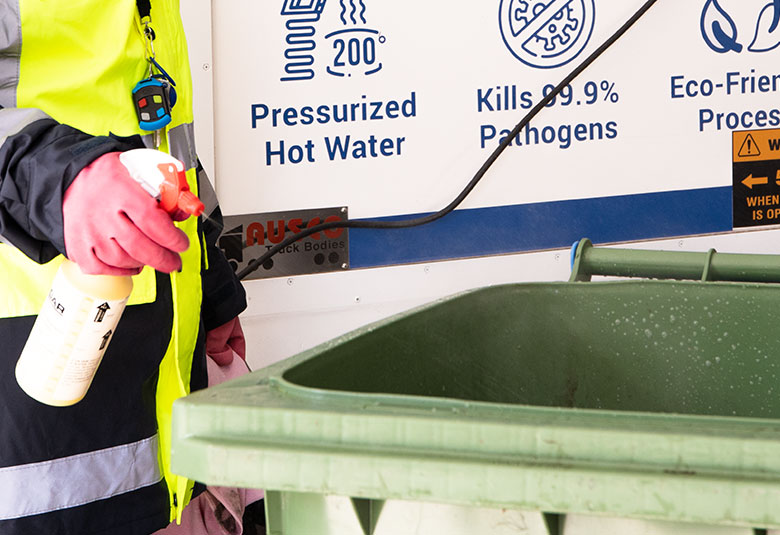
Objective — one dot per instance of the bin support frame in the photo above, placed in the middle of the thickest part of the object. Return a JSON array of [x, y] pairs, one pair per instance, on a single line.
[[588, 260]]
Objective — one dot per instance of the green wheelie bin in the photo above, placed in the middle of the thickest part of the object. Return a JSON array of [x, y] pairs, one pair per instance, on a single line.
[[648, 404]]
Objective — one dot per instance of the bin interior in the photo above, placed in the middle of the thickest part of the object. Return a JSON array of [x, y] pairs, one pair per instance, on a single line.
[[650, 346]]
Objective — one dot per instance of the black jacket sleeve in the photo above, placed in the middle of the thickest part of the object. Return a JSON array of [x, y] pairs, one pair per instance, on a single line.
[[38, 161], [224, 297]]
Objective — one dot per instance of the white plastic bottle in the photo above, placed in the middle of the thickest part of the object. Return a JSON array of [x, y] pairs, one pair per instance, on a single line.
[[81, 313], [71, 334]]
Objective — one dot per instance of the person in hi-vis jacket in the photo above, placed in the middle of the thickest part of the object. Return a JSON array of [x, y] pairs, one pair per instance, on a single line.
[[68, 70]]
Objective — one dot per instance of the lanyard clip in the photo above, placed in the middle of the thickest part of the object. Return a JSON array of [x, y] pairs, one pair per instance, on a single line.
[[149, 36]]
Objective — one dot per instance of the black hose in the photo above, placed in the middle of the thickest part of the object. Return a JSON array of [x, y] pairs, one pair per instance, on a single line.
[[415, 222]]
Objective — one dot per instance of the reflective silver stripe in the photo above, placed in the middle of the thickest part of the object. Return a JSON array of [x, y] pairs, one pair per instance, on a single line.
[[13, 120], [47, 486], [10, 51], [206, 193], [182, 142], [148, 140]]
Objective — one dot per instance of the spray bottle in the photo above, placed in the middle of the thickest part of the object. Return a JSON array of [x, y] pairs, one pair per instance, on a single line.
[[81, 312]]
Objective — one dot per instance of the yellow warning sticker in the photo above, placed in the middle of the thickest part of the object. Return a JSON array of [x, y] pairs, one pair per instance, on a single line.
[[756, 178], [756, 145]]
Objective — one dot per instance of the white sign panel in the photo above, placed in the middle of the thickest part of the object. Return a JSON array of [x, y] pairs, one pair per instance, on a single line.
[[389, 108]]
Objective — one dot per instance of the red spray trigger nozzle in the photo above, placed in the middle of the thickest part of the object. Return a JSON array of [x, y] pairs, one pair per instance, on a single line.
[[175, 193]]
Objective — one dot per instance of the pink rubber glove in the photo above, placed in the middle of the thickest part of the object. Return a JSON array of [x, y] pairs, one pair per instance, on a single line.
[[113, 227], [222, 341]]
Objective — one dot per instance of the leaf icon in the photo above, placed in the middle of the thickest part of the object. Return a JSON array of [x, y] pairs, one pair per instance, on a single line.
[[767, 30], [718, 29]]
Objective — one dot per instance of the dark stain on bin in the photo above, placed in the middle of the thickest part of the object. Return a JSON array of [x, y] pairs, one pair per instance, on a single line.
[[572, 384], [680, 472]]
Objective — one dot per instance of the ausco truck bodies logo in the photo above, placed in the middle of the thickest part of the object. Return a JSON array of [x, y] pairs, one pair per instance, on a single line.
[[546, 33], [247, 237], [354, 45]]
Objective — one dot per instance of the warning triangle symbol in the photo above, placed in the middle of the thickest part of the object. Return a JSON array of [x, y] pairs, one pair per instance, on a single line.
[[749, 147]]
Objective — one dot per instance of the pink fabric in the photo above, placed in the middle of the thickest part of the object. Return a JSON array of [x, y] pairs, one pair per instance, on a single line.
[[218, 510], [225, 341], [113, 227]]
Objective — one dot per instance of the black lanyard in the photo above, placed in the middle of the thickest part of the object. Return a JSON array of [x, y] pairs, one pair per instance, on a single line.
[[144, 8], [145, 14]]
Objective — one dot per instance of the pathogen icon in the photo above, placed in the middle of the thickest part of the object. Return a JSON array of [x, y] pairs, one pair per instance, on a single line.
[[546, 33]]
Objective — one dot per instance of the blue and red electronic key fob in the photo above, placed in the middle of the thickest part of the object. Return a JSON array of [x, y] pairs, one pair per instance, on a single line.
[[152, 103]]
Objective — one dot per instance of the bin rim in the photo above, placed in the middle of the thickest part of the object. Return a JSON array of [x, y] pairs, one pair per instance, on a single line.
[[276, 372]]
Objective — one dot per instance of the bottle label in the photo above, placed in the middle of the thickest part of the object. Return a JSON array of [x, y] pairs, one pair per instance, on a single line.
[[66, 343]]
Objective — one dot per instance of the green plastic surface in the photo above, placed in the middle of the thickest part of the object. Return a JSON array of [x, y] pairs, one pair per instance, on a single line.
[[645, 398]]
